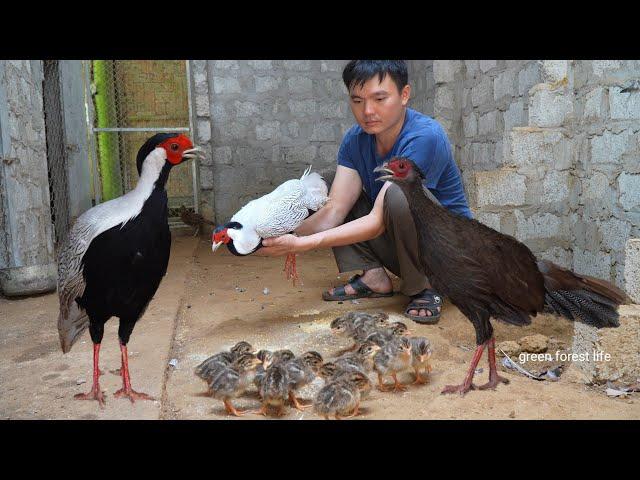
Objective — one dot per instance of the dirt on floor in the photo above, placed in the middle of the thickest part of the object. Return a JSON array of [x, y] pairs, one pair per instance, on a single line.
[[208, 302]]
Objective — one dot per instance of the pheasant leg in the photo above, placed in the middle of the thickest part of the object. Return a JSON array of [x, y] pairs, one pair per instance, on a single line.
[[494, 378], [468, 380], [290, 268], [95, 393], [126, 390]]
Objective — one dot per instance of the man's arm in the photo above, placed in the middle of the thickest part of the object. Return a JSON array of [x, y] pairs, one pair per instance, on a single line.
[[345, 190], [362, 229]]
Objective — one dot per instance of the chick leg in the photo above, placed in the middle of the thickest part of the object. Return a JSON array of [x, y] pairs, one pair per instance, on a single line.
[[126, 390], [397, 386], [262, 411], [494, 378], [96, 392], [231, 409], [355, 412], [296, 402], [381, 386], [419, 379], [468, 380]]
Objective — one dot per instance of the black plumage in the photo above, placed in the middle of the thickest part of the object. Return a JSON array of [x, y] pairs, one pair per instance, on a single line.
[[489, 274], [123, 267], [116, 256]]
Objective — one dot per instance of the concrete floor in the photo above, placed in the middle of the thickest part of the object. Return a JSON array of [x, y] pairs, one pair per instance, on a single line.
[[208, 302]]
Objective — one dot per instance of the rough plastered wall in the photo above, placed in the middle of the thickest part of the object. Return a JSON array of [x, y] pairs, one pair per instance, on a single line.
[[549, 153], [27, 263], [263, 122]]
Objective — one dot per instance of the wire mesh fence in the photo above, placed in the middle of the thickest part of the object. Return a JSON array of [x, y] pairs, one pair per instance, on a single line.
[[134, 99], [56, 152], [129, 101]]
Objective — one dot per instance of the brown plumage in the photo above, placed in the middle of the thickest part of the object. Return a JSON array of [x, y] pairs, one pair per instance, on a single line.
[[194, 219], [488, 274]]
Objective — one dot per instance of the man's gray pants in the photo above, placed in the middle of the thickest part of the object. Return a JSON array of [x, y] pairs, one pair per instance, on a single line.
[[396, 249]]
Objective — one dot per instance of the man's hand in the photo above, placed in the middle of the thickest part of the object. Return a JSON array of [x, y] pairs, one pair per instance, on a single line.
[[282, 245]]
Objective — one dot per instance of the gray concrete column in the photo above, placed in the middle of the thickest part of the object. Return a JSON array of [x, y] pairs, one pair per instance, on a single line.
[[27, 258]]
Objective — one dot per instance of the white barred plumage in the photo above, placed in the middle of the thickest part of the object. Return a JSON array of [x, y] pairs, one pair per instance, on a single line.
[[274, 214]]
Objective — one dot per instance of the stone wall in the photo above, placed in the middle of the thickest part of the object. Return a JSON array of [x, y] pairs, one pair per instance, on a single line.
[[551, 155], [422, 85], [548, 150], [263, 122]]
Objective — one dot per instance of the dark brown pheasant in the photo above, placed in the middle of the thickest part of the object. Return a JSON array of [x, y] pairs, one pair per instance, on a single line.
[[194, 219], [488, 274]]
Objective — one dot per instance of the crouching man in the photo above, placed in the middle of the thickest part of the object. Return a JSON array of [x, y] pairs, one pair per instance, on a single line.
[[368, 223]]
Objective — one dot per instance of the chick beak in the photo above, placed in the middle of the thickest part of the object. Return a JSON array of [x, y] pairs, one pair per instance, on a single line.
[[383, 169]]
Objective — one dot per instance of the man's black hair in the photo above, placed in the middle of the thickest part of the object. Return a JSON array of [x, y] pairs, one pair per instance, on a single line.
[[357, 72]]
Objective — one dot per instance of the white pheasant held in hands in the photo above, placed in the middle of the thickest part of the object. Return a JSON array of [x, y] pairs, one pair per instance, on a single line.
[[274, 214]]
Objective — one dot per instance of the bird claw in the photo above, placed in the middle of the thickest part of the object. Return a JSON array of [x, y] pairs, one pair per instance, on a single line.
[[290, 271], [419, 381], [493, 383], [462, 389], [94, 394], [262, 411], [132, 395], [299, 405]]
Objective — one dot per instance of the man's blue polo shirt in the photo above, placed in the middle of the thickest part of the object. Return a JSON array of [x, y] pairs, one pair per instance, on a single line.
[[422, 140]]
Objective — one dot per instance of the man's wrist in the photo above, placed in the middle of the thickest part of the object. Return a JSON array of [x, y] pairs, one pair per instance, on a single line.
[[307, 243]]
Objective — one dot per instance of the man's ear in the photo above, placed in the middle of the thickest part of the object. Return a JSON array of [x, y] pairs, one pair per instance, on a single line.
[[405, 94]]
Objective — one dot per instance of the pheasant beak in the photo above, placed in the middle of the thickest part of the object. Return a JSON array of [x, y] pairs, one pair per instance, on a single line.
[[215, 246], [195, 152], [384, 169]]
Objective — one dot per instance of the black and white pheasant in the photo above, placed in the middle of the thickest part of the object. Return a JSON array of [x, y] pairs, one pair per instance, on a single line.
[[115, 257], [277, 213]]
